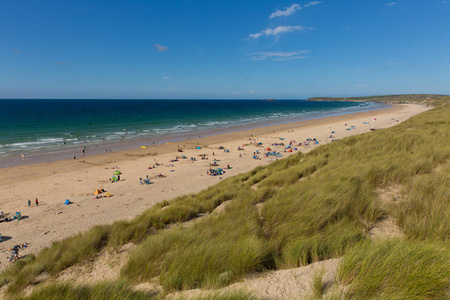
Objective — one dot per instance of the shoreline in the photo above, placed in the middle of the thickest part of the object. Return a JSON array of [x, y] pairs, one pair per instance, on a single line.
[[54, 182], [50, 155]]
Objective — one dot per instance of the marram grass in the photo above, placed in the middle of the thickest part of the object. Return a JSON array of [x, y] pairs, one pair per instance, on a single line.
[[396, 269], [315, 206], [101, 291]]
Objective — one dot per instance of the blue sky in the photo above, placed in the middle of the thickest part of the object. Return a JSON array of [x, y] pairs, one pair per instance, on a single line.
[[226, 49]]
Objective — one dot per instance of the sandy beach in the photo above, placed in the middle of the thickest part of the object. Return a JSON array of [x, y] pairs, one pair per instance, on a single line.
[[54, 182]]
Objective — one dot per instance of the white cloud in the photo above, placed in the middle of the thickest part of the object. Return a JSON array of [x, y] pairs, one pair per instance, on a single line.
[[391, 3], [278, 30], [278, 55], [167, 77], [287, 11], [160, 48], [312, 3]]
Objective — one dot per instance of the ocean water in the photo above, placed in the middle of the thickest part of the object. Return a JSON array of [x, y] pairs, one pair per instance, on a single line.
[[35, 126]]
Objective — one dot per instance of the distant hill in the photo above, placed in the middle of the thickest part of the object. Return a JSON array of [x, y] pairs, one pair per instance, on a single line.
[[428, 99]]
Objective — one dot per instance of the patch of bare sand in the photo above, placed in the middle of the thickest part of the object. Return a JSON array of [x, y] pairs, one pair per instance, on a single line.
[[282, 284], [387, 227], [104, 266]]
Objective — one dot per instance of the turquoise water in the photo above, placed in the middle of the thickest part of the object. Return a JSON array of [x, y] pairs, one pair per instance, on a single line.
[[33, 126]]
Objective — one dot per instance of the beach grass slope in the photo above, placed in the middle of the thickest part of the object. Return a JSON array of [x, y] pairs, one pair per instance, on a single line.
[[293, 212]]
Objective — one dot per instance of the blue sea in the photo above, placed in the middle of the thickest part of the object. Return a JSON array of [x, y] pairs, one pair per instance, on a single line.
[[36, 126]]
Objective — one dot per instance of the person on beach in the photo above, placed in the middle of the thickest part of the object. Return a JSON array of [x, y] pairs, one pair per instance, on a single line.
[[29, 202], [37, 201]]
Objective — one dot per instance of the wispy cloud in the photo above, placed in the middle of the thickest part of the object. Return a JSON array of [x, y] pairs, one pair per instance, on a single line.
[[160, 48], [287, 11], [278, 30], [391, 3], [167, 77], [60, 63], [17, 51], [278, 55], [312, 3]]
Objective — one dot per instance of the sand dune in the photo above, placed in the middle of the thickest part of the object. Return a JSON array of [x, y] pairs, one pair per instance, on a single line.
[[52, 183]]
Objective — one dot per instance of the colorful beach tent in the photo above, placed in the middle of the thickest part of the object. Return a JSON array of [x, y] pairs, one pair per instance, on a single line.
[[97, 192], [108, 194], [117, 172], [67, 202]]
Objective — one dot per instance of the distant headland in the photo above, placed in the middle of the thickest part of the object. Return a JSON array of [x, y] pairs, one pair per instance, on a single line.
[[427, 99]]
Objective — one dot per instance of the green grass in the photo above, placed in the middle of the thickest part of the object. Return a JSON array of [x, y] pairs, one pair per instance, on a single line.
[[425, 214], [212, 253], [56, 258], [315, 206], [231, 295], [317, 284], [396, 269], [106, 291]]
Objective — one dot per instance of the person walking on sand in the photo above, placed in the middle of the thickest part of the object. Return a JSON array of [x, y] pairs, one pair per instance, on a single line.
[[29, 202], [37, 202]]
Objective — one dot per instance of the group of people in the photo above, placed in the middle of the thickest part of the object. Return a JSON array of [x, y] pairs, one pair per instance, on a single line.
[[36, 201], [15, 251]]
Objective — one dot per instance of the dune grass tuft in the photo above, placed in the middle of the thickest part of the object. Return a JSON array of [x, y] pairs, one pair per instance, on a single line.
[[105, 290], [396, 269], [317, 284], [425, 213], [214, 252]]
